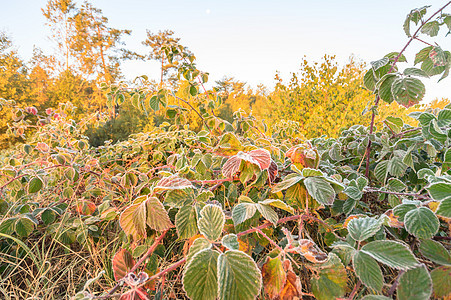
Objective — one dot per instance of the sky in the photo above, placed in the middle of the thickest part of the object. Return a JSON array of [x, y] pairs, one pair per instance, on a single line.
[[249, 40]]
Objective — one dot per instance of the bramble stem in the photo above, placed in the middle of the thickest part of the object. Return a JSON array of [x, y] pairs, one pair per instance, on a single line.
[[376, 103]]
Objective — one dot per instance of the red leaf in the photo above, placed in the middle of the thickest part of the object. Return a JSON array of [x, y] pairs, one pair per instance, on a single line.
[[273, 170], [259, 157], [122, 264], [173, 183], [262, 156], [231, 167], [135, 294]]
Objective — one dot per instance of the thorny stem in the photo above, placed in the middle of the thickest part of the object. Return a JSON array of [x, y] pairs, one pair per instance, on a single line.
[[269, 240], [354, 291], [22, 175], [133, 269], [418, 196], [395, 284], [376, 103], [195, 110]]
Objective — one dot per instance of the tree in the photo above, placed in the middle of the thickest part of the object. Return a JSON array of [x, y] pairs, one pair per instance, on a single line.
[[96, 45], [14, 84], [158, 42], [59, 15], [321, 97]]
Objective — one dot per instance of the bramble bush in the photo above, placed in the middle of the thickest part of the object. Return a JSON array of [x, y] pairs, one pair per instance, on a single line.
[[235, 210]]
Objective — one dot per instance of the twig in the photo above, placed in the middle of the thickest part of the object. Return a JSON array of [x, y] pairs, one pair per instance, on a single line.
[[213, 181], [265, 225], [195, 110], [167, 270], [354, 291], [133, 269], [415, 195], [405, 132], [395, 284], [269, 239], [376, 103]]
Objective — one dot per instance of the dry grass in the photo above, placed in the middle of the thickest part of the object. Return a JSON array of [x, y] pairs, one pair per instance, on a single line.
[[60, 270]]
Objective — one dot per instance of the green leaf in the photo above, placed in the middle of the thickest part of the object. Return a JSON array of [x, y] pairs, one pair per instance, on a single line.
[[288, 181], [376, 297], [7, 226], [441, 281], [444, 209], [369, 81], [428, 66], [406, 26], [199, 244], [436, 131], [381, 171], [24, 226], [185, 222], [384, 87], [239, 276], [230, 241], [179, 198], [415, 72], [308, 172], [320, 190], [48, 216], [408, 91], [243, 211], [391, 253], [200, 279], [193, 90], [402, 209], [436, 252], [421, 222], [154, 102], [396, 167], [396, 185], [157, 217], [211, 221], [422, 55], [35, 185], [393, 55], [415, 284], [368, 271], [430, 28], [330, 282], [440, 190], [425, 172], [361, 229], [444, 119], [379, 63], [278, 204], [268, 213]]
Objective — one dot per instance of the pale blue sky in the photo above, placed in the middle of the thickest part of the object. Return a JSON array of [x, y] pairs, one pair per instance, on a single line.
[[249, 40]]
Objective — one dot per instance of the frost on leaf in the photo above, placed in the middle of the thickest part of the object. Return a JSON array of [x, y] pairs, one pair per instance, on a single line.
[[258, 157], [173, 183], [122, 263]]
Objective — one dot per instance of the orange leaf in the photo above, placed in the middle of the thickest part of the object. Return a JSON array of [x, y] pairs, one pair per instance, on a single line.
[[274, 277], [393, 220], [293, 286], [85, 207], [122, 263]]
